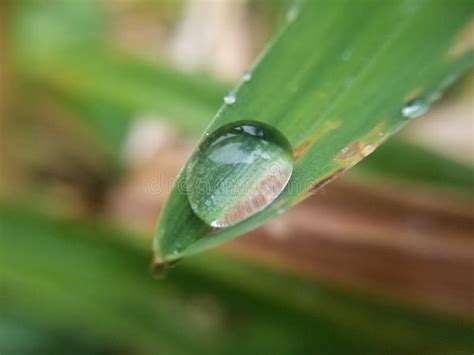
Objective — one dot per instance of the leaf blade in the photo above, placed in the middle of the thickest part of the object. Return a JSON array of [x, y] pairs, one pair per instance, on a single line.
[[306, 95]]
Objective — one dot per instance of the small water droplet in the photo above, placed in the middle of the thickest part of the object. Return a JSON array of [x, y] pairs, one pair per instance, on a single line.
[[368, 149], [350, 150], [346, 150], [247, 76], [292, 12], [415, 108], [230, 98], [238, 171]]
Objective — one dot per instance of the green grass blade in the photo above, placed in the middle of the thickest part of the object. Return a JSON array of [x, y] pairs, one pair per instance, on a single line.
[[94, 285], [337, 76]]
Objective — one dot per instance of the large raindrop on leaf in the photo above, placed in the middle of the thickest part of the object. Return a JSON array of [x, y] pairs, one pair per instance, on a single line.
[[237, 171]]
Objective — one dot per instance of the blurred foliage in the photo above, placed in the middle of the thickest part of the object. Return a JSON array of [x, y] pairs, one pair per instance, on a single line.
[[93, 283]]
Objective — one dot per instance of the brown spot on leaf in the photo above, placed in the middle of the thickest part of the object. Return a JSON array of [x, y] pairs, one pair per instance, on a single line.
[[324, 182], [464, 41], [349, 151], [300, 149]]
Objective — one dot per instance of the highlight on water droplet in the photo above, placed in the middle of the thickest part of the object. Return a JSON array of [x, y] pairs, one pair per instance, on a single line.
[[415, 108], [230, 98], [292, 12], [346, 150], [368, 149], [247, 76], [349, 150], [237, 171]]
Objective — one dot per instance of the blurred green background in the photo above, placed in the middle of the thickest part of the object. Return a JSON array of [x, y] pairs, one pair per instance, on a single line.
[[101, 103]]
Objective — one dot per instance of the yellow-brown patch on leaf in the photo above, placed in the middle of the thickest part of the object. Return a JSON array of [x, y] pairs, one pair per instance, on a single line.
[[300, 149], [351, 150], [376, 130], [324, 129], [464, 41]]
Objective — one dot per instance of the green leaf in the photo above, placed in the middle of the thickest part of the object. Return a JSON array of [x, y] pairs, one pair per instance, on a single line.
[[93, 284], [334, 82]]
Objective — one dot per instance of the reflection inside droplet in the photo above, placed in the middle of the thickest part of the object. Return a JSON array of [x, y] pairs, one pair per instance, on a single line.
[[237, 171]]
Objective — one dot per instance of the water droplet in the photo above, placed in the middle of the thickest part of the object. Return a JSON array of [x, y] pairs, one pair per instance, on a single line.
[[347, 152], [237, 171], [247, 76], [368, 149], [292, 12], [414, 108], [230, 98]]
